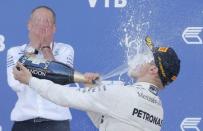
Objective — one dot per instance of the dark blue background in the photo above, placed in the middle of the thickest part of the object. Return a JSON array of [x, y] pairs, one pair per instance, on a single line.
[[95, 34]]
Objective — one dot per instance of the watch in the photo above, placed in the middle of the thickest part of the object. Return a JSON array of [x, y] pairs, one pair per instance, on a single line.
[[31, 50], [46, 47]]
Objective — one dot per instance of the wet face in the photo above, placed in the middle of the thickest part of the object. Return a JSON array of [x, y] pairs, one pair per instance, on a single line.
[[140, 70], [140, 64], [42, 25]]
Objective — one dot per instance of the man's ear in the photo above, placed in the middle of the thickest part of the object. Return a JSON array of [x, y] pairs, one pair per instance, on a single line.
[[29, 25], [153, 70], [54, 28]]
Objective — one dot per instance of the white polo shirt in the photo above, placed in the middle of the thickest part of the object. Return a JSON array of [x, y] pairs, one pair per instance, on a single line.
[[30, 104]]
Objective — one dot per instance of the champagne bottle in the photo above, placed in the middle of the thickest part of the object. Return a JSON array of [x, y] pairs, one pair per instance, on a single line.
[[55, 71]]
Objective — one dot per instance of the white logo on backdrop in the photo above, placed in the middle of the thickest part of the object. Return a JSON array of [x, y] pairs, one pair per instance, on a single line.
[[190, 123], [2, 45], [191, 35], [117, 3]]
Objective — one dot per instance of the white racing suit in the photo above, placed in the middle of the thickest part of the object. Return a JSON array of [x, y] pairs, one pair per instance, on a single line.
[[111, 107]]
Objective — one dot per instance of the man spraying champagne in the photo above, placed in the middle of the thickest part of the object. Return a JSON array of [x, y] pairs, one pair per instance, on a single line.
[[134, 107]]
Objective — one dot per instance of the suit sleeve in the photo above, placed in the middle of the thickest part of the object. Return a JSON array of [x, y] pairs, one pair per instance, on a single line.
[[11, 62], [86, 99]]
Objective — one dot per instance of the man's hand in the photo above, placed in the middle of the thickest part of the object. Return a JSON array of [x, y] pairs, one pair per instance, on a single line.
[[21, 73], [91, 77], [41, 37], [35, 36], [41, 33], [47, 37], [47, 32]]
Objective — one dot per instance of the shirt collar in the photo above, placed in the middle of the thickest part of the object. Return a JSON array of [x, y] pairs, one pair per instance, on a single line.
[[151, 87], [51, 45]]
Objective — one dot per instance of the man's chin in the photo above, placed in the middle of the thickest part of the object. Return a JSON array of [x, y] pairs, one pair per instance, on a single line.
[[129, 72], [132, 74]]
